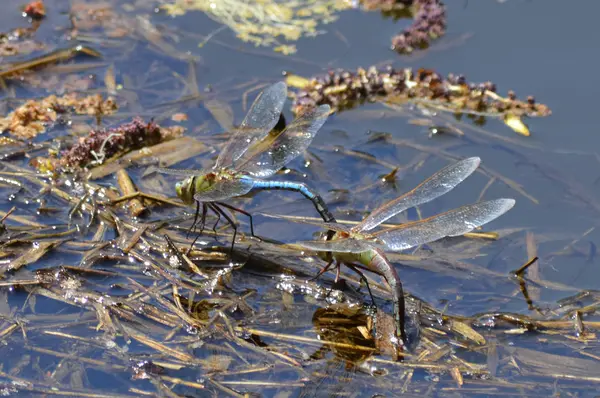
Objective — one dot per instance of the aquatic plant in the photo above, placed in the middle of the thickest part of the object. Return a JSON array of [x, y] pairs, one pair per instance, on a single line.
[[102, 144], [343, 89]]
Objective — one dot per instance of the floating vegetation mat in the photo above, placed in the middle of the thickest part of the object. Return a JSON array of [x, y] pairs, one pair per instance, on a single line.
[[101, 286], [98, 299]]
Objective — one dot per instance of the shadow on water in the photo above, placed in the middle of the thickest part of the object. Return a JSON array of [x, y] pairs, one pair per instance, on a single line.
[[94, 301]]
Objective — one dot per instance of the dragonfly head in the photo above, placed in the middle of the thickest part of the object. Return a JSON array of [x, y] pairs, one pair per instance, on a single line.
[[185, 190], [321, 235], [325, 256]]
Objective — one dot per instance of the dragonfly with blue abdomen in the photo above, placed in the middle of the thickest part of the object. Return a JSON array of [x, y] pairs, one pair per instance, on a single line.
[[357, 247], [241, 168]]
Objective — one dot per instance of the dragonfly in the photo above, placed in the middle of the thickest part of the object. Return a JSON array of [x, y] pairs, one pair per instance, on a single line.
[[240, 168], [358, 247]]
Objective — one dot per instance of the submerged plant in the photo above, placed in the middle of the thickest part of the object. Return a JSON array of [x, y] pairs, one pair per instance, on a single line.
[[266, 22]]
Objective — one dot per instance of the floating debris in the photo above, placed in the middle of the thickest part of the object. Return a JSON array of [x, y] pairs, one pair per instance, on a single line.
[[103, 144], [35, 116], [343, 89], [429, 21]]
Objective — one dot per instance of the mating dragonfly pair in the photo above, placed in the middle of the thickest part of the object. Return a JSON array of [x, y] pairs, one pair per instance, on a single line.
[[246, 162]]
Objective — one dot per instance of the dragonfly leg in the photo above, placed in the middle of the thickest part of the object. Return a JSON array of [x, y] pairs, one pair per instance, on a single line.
[[322, 271], [203, 218], [193, 227], [241, 212], [192, 245], [218, 213], [217, 209], [364, 279], [202, 223]]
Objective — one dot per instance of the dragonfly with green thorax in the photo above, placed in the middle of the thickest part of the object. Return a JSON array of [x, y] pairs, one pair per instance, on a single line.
[[359, 248], [249, 158]]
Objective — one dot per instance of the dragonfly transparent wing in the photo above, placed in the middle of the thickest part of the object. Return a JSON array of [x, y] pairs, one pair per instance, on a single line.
[[260, 119], [348, 245], [224, 190], [175, 172], [325, 225], [452, 223], [435, 186], [292, 142]]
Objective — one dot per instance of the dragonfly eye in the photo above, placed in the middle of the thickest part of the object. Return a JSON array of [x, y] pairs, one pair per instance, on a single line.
[[320, 235], [182, 188]]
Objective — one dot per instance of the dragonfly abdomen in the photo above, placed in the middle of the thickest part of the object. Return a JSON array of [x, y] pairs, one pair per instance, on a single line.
[[380, 264], [375, 261], [303, 189]]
